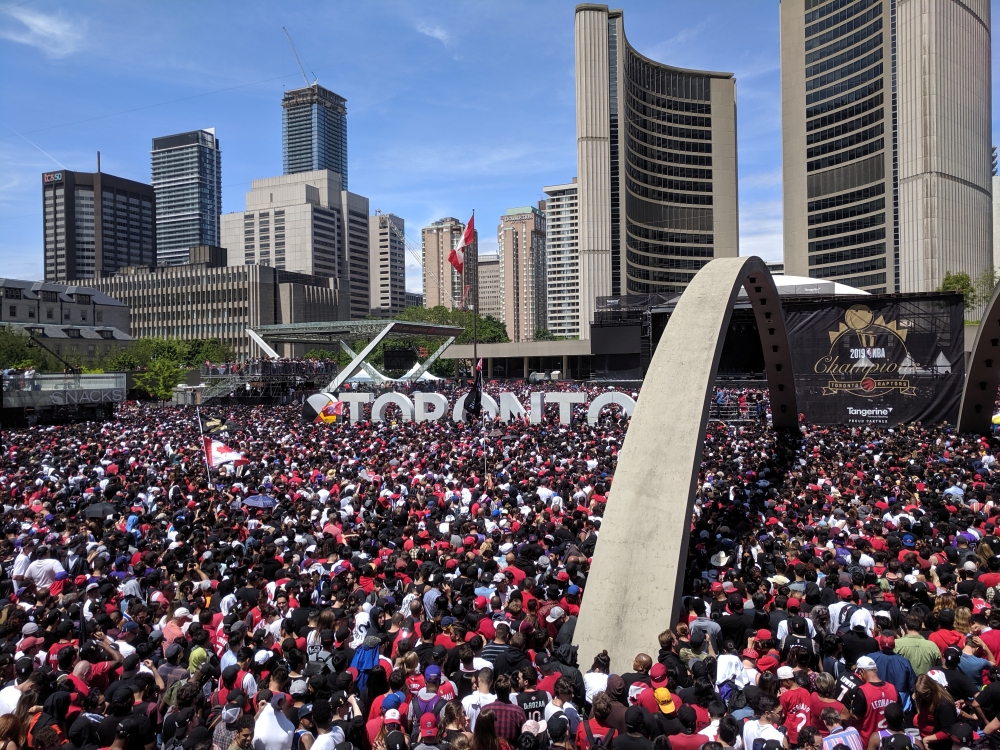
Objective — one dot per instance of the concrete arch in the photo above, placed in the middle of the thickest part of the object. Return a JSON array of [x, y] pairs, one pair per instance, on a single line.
[[635, 582], [979, 396]]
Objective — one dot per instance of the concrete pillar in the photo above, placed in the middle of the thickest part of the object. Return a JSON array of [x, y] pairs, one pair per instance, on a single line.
[[525, 368], [565, 367], [489, 367]]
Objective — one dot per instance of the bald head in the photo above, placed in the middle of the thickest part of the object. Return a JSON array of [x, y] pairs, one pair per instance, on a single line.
[[643, 663]]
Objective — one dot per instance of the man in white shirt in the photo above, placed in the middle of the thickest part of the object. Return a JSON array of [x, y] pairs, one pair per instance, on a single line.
[[43, 570], [9, 696], [22, 561], [480, 697]]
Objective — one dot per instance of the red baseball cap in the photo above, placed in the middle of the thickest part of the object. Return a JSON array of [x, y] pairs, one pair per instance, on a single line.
[[428, 725], [658, 675], [845, 593]]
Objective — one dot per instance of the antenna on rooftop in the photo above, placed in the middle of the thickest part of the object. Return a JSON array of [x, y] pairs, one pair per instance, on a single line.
[[295, 52]]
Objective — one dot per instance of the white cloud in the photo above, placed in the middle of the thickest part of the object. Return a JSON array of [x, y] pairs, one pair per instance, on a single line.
[[434, 32], [769, 179], [52, 33], [761, 230]]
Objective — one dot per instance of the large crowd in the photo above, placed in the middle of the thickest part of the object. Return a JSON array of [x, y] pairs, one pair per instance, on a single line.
[[416, 586]]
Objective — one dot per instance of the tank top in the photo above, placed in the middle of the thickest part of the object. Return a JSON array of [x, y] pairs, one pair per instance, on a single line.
[[877, 697]]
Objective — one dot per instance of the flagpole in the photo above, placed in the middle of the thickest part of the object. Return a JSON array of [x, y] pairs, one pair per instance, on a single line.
[[208, 464]]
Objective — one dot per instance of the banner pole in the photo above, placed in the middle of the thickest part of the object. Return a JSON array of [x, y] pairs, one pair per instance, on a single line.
[[201, 430]]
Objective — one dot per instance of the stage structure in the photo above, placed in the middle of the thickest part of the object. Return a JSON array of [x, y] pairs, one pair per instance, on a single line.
[[341, 332], [646, 526], [979, 396]]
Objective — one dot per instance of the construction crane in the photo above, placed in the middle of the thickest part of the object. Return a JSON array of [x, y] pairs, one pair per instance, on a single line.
[[384, 219], [299, 61]]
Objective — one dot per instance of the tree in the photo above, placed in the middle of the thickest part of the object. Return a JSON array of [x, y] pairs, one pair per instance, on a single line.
[[975, 293], [961, 283], [160, 378], [544, 334]]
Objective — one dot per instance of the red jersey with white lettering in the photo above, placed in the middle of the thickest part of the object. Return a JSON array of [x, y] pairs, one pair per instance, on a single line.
[[877, 697], [797, 703]]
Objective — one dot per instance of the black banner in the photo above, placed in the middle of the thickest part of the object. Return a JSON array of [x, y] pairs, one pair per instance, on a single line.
[[878, 360]]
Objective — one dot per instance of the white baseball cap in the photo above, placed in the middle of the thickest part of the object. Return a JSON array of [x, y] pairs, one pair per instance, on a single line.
[[786, 673]]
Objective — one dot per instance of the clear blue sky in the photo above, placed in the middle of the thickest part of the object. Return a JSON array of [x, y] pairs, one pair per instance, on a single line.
[[452, 106]]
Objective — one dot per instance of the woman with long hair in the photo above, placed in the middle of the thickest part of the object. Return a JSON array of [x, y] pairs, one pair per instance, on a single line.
[[485, 736], [963, 620], [935, 712], [454, 723], [596, 679], [11, 732]]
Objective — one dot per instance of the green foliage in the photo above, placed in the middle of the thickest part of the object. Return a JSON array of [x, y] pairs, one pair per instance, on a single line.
[[15, 352], [490, 330], [322, 354], [961, 283], [194, 353], [544, 334], [975, 292], [160, 378]]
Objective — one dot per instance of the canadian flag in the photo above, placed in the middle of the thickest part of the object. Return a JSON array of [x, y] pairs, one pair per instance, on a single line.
[[220, 453], [457, 255]]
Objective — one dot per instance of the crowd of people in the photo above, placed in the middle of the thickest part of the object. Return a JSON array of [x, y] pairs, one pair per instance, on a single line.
[[416, 586]]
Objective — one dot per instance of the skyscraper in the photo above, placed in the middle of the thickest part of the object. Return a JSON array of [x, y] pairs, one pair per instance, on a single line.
[[95, 223], [521, 243], [314, 131], [442, 284], [187, 178], [387, 266], [490, 286], [562, 260], [886, 140], [307, 224], [656, 160]]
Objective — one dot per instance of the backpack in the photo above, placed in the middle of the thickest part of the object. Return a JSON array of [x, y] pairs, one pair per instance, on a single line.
[[170, 697], [845, 618], [429, 707], [595, 742], [732, 696]]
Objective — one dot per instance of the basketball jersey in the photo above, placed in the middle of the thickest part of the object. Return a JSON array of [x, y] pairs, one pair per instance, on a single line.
[[877, 697]]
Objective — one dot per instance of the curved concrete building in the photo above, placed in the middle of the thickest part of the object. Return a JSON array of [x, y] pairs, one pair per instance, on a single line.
[[656, 160], [886, 133]]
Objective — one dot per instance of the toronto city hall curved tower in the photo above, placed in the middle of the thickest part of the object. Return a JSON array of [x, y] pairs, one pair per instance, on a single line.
[[886, 125], [656, 161]]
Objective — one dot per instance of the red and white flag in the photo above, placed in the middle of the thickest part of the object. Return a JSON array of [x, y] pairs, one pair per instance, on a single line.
[[220, 453], [457, 255]]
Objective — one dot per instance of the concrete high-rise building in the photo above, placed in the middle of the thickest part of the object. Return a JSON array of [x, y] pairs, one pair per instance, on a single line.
[[521, 243], [187, 178], [95, 223], [305, 223], [442, 284], [886, 121], [414, 299], [656, 166], [387, 266], [207, 298], [562, 260], [314, 131], [490, 286]]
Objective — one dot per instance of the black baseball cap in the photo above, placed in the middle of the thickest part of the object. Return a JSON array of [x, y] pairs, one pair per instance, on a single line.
[[395, 741]]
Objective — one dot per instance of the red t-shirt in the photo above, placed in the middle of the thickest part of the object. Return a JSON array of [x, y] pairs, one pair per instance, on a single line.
[[816, 708]]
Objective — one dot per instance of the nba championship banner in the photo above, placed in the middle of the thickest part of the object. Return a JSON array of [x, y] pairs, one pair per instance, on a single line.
[[878, 361]]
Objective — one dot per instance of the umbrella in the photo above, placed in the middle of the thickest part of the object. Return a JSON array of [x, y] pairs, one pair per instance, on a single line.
[[99, 510], [260, 501]]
